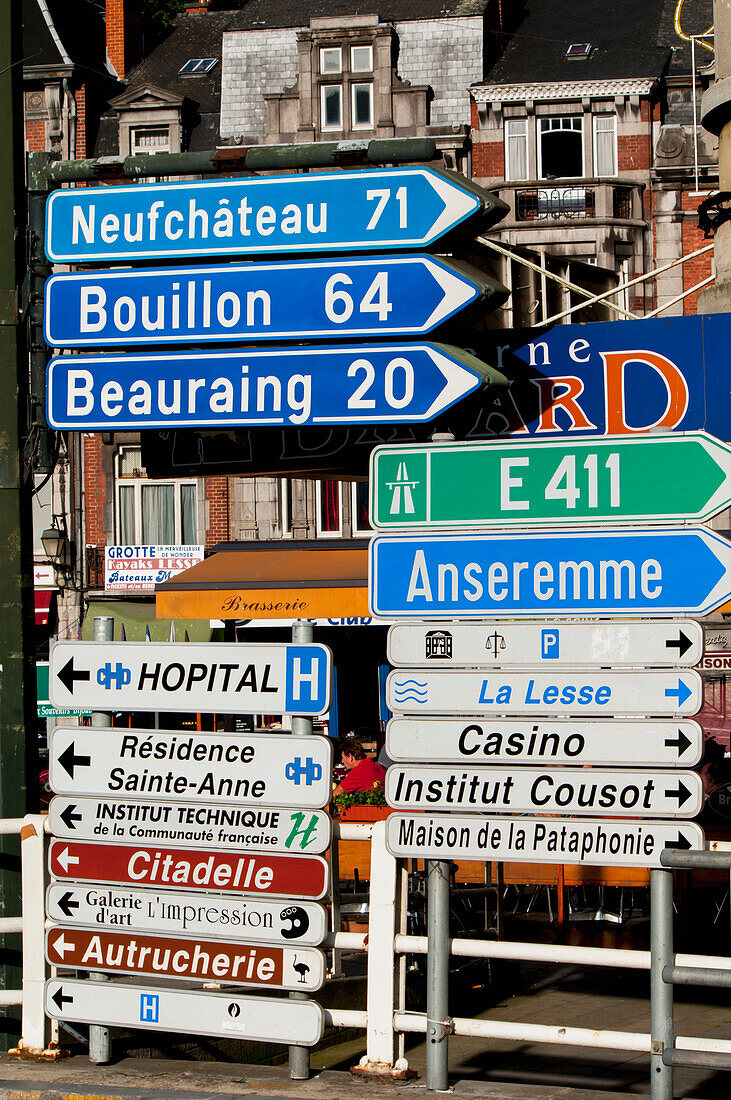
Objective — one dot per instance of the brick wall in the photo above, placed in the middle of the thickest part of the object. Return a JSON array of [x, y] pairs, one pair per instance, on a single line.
[[95, 490], [80, 96], [124, 40], [633, 152], [488, 159], [35, 135], [699, 268], [217, 499]]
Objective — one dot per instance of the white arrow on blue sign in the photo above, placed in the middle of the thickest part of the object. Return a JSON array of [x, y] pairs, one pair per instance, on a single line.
[[321, 211], [660, 571], [358, 384], [395, 295]]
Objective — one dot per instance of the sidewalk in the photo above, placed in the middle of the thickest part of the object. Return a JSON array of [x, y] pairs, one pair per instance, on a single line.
[[494, 1070]]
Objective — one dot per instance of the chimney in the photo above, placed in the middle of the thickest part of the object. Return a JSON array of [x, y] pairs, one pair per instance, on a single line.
[[124, 35], [196, 5]]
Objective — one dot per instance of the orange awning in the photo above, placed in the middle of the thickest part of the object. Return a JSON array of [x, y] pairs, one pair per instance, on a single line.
[[271, 580]]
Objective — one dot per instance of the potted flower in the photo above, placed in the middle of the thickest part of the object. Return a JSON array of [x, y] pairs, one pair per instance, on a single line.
[[367, 805]]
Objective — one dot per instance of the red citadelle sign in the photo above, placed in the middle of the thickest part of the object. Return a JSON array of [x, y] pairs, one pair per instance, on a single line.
[[278, 875]]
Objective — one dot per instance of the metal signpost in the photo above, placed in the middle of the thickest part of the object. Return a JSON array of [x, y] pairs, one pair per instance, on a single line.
[[615, 792], [354, 384], [538, 840], [289, 300], [318, 212], [650, 571], [546, 644], [262, 769], [657, 692], [173, 911], [284, 876], [238, 828], [185, 958], [501, 740], [187, 1012], [216, 676], [463, 485]]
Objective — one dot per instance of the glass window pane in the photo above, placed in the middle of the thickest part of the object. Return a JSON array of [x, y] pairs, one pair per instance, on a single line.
[[130, 462], [331, 60], [561, 148], [361, 517], [362, 112], [158, 515], [605, 163], [188, 525], [361, 59], [516, 149], [127, 533], [329, 506], [332, 107]]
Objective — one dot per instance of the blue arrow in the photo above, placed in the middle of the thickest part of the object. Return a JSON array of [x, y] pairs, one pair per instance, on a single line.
[[408, 207], [288, 300], [357, 384], [669, 570], [682, 692]]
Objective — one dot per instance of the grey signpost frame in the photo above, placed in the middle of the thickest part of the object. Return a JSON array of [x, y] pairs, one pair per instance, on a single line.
[[100, 1043], [437, 976], [661, 993], [299, 1057]]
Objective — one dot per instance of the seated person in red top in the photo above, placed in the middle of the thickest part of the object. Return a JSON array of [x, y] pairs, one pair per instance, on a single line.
[[363, 773]]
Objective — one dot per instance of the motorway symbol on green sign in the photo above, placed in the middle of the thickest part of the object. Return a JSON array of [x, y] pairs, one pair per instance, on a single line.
[[616, 479]]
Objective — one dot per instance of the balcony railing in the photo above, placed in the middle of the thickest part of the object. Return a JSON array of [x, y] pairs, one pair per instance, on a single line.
[[568, 201]]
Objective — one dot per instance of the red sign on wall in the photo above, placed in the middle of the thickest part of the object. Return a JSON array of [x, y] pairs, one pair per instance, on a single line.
[[177, 957], [282, 875]]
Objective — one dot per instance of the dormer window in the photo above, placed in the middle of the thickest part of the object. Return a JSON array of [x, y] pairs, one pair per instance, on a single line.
[[198, 66]]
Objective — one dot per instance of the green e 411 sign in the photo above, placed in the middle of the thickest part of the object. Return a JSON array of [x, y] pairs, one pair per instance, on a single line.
[[665, 478]]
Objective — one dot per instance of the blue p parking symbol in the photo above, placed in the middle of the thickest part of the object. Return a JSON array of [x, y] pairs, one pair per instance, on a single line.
[[549, 644]]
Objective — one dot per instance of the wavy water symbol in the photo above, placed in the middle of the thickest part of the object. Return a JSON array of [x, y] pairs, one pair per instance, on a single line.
[[413, 691]]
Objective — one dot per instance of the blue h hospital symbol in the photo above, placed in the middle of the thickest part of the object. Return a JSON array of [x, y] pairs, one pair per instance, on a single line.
[[149, 1007], [306, 676]]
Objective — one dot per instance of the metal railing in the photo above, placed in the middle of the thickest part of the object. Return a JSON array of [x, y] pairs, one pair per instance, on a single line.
[[570, 200]]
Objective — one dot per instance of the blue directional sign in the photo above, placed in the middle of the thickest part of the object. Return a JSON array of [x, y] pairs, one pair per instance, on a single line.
[[275, 301], [359, 384], [318, 212], [586, 572]]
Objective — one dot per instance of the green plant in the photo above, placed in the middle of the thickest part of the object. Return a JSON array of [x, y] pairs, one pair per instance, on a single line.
[[374, 796]]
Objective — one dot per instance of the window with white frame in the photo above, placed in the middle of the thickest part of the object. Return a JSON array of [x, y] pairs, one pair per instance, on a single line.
[[331, 107], [149, 139], [516, 149], [561, 147], [329, 508], [152, 512], [359, 509], [361, 106], [361, 59], [331, 60], [605, 145]]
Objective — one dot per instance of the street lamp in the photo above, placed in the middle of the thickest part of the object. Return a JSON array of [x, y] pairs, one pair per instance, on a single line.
[[54, 540]]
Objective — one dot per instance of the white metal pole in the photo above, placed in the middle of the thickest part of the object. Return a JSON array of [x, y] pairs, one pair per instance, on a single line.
[[661, 992], [100, 1043], [34, 1029], [299, 1057]]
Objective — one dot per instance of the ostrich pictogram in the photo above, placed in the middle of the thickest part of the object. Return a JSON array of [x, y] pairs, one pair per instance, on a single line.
[[301, 968]]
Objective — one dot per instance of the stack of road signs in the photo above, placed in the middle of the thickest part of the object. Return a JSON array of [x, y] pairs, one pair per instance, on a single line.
[[540, 697], [192, 856], [275, 302]]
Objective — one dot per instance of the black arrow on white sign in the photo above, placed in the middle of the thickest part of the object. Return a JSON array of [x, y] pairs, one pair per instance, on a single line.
[[68, 816], [681, 842], [66, 905], [69, 760], [681, 742], [68, 676], [682, 793], [682, 643], [58, 998]]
